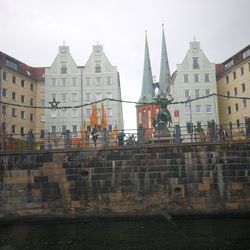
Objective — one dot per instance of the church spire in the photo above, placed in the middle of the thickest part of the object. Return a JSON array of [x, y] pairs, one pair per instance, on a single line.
[[165, 76], [147, 92]]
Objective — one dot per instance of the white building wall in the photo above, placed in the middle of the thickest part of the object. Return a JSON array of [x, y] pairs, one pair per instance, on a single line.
[[90, 84], [201, 82]]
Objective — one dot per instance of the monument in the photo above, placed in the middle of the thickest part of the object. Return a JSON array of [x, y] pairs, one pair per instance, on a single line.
[[163, 119]]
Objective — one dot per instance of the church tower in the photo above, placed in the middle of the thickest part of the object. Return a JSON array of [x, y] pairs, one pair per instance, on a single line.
[[146, 109]]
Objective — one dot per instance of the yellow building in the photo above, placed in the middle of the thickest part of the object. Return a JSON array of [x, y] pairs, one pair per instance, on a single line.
[[233, 81], [21, 90]]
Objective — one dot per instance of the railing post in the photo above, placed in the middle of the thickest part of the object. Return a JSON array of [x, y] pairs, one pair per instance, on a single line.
[[213, 131], [140, 134], [67, 139], [177, 134], [30, 140]]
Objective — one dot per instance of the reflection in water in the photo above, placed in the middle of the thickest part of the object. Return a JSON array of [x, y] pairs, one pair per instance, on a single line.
[[155, 234]]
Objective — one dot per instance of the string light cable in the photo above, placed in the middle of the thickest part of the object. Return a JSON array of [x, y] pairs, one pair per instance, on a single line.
[[54, 104]]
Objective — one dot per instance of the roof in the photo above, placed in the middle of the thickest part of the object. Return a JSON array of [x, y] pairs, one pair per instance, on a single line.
[[35, 73]]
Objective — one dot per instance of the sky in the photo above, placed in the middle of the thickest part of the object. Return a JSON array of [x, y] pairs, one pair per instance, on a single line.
[[32, 30]]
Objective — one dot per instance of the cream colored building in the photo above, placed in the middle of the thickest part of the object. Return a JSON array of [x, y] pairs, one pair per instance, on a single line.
[[21, 90], [233, 80]]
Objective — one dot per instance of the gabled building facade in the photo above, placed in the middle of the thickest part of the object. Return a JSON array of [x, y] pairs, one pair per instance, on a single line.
[[233, 80], [194, 78], [73, 85]]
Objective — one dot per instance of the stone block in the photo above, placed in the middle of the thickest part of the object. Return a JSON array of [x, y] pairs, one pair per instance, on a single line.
[[203, 187], [236, 186], [17, 180]]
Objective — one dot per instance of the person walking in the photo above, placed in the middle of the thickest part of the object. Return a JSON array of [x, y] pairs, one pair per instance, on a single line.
[[121, 136]]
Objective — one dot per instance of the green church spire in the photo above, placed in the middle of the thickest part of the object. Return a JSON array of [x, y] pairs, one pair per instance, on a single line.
[[165, 76], [147, 92]]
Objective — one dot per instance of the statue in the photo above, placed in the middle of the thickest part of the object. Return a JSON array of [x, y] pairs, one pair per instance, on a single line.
[[163, 119]]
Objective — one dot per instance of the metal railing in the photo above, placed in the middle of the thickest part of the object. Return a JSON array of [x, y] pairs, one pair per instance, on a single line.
[[104, 138]]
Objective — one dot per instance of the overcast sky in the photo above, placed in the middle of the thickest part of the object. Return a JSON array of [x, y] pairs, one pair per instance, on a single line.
[[32, 30]]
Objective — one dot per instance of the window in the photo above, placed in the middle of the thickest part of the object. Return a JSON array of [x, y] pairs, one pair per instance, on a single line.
[[4, 109], [4, 92], [88, 81], [74, 113], [208, 108], [98, 68], [246, 54], [22, 131], [227, 79], [98, 80], [53, 129], [207, 92], [195, 63], [4, 75], [13, 112], [53, 113], [235, 91], [13, 79], [53, 82], [234, 75], [64, 68], [42, 88], [98, 96], [196, 77], [228, 93], [22, 114], [10, 64], [109, 94], [64, 82], [207, 78], [74, 97], [187, 108], [22, 83], [229, 64], [13, 129], [244, 103], [22, 99], [31, 86], [88, 96], [187, 93], [74, 81], [109, 80], [42, 103], [31, 117], [14, 96], [31, 102], [243, 87], [197, 108], [238, 123], [197, 93], [64, 97], [185, 78], [64, 113], [74, 128], [236, 107], [110, 113], [242, 70], [228, 110], [64, 128]]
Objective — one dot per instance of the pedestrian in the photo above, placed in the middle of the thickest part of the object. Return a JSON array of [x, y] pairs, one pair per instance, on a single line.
[[94, 135], [121, 136], [222, 133]]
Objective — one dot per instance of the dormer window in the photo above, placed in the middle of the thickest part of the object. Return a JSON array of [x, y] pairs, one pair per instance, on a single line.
[[195, 63]]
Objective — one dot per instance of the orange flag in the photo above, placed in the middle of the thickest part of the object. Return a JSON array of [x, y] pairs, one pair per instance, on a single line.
[[103, 118], [93, 117]]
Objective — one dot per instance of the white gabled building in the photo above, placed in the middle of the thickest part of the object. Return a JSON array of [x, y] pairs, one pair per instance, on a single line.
[[194, 78], [62, 83], [101, 80], [73, 85]]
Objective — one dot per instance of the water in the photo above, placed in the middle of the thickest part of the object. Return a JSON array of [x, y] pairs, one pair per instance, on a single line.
[[188, 234]]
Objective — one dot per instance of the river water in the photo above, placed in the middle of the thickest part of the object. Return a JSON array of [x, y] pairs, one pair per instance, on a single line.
[[201, 234]]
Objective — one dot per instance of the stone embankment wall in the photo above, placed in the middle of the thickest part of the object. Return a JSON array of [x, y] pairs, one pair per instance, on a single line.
[[127, 181]]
